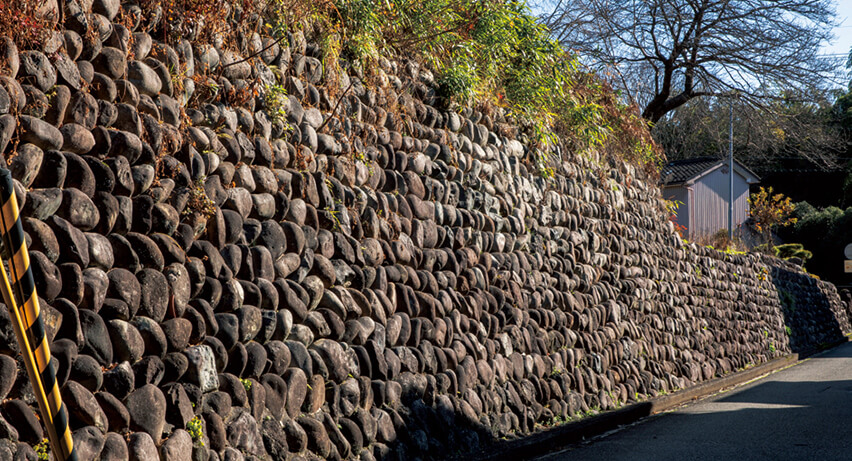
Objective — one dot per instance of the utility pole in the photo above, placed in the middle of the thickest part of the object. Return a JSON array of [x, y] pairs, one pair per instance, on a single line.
[[731, 173]]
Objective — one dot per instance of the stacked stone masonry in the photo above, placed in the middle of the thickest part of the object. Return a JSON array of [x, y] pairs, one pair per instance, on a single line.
[[390, 282]]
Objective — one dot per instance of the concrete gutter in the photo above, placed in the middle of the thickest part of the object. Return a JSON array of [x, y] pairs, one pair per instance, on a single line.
[[557, 438]]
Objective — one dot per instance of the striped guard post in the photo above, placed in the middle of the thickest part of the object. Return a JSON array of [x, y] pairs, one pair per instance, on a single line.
[[20, 296]]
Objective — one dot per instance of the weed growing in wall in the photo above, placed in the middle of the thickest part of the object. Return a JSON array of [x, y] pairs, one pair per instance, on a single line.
[[489, 53], [195, 429], [25, 22]]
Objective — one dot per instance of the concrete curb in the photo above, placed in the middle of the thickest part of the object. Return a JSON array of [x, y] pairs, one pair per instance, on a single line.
[[554, 439]]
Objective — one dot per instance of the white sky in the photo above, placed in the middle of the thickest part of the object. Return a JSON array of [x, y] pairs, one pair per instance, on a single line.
[[843, 33], [840, 46]]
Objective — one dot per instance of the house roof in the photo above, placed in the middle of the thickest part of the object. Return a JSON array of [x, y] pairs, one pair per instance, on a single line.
[[689, 170]]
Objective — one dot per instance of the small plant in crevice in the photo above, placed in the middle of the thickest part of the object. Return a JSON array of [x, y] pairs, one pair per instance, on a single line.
[[195, 429], [42, 450], [198, 201], [276, 102], [246, 384]]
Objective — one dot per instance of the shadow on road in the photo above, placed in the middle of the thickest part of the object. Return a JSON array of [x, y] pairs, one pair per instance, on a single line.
[[796, 415]]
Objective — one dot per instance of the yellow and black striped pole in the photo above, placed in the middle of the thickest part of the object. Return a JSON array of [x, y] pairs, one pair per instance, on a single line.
[[20, 296]]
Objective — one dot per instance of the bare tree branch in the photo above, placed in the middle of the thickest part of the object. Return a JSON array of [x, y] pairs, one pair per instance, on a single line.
[[664, 53]]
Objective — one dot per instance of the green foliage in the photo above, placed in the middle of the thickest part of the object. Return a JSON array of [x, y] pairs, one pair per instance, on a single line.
[[194, 427], [246, 384], [793, 250], [825, 232], [42, 449], [276, 102], [491, 53], [769, 211], [198, 201]]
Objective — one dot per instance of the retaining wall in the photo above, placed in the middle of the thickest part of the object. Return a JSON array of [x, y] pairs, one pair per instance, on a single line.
[[392, 283]]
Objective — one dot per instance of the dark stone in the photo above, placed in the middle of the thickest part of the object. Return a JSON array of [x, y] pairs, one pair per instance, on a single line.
[[297, 386], [250, 320], [229, 331], [127, 342], [128, 145], [125, 286], [83, 110], [78, 209], [243, 432], [124, 254], [154, 298], [37, 70], [79, 174], [83, 407], [179, 408], [77, 138], [141, 447], [274, 439], [318, 441], [72, 243], [95, 284], [42, 236], [103, 88], [152, 335], [8, 371], [100, 252], [70, 328], [115, 411], [115, 448], [42, 204], [87, 372], [119, 381], [88, 442], [177, 333], [255, 361], [176, 366], [26, 164], [111, 62], [108, 208], [24, 420], [273, 238], [149, 370], [65, 351], [216, 432], [177, 447], [147, 408], [47, 276], [97, 342]]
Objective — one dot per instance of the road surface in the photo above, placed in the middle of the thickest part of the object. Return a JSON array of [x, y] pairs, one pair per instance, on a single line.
[[801, 413]]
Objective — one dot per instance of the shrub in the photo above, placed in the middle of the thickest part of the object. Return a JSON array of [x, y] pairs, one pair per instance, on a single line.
[[825, 232], [24, 22], [770, 211], [793, 250], [195, 429], [490, 53], [276, 102]]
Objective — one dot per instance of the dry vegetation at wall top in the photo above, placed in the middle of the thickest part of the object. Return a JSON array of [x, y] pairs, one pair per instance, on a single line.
[[491, 54]]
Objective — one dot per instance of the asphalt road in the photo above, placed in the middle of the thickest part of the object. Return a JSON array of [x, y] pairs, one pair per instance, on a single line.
[[801, 413]]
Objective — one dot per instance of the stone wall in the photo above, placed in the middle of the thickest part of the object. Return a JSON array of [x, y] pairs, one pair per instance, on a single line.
[[388, 282]]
